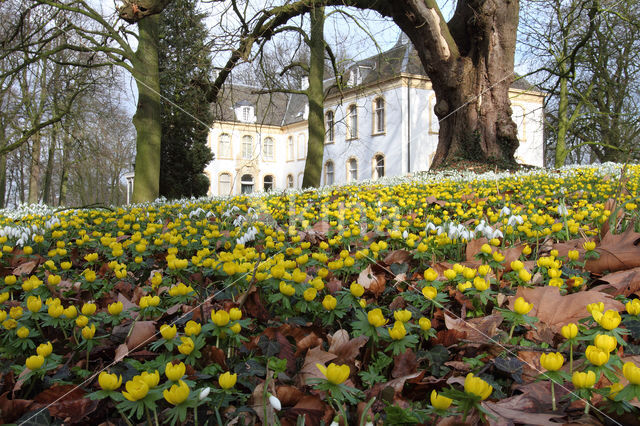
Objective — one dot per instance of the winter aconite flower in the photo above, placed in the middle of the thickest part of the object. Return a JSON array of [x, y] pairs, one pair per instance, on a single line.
[[174, 372], [115, 308], [220, 317], [440, 402], [477, 386], [521, 306], [109, 382], [177, 394], [605, 342], [192, 328], [89, 331], [376, 318], [136, 389], [609, 320], [334, 373], [187, 345], [583, 380], [631, 373], [34, 303], [356, 289], [34, 362], [551, 361], [168, 332], [569, 331], [429, 292], [398, 331], [227, 380], [44, 349], [402, 315], [425, 323], [329, 302], [597, 356], [633, 307]]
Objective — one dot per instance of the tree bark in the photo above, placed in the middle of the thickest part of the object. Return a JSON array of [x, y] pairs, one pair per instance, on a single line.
[[48, 173], [147, 117], [315, 95], [34, 170]]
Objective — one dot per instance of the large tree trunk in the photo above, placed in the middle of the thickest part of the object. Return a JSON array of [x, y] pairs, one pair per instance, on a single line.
[[147, 118], [315, 95], [34, 170], [48, 173], [470, 63]]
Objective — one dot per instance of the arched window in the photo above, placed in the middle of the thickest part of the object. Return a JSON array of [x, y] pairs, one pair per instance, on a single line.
[[247, 147], [224, 184], [290, 148], [302, 147], [378, 120], [352, 122], [289, 181], [328, 173], [352, 170], [246, 184], [378, 166], [330, 127], [268, 149], [268, 182], [224, 146]]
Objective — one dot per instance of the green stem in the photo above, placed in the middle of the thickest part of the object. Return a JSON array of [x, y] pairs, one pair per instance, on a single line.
[[586, 407], [155, 417], [125, 418], [148, 415], [195, 415], [513, 327], [553, 396], [571, 358]]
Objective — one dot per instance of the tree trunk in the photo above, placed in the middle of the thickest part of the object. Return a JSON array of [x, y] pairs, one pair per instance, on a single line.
[[563, 122], [48, 173], [3, 168], [147, 117], [315, 95], [34, 170], [64, 169]]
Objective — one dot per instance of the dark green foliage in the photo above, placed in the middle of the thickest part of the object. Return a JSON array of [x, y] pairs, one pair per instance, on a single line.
[[184, 65]]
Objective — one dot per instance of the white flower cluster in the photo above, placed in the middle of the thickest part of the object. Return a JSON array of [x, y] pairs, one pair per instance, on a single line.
[[248, 236]]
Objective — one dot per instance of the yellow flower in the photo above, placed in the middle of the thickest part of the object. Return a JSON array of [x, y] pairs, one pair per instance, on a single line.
[[89, 332], [287, 289], [310, 294], [524, 275], [631, 373], [115, 308], [596, 355], [610, 320], [109, 382], [552, 361], [425, 323], [23, 332], [633, 307], [4, 297], [516, 265], [34, 303], [82, 321], [477, 386], [480, 284], [235, 314], [486, 249], [175, 371], [440, 402], [583, 380], [55, 310], [402, 315], [521, 306], [429, 292], [589, 245], [220, 317], [376, 318], [449, 274], [227, 380], [329, 302], [34, 362], [168, 332], [335, 374], [137, 389], [398, 331], [573, 254], [569, 331], [70, 312], [605, 342], [595, 307], [88, 309], [614, 389], [430, 274], [356, 289], [236, 327], [484, 270], [44, 349], [192, 328], [177, 394], [151, 379], [187, 345]]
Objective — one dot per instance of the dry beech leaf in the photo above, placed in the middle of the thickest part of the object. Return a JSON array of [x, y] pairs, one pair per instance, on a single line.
[[556, 311], [375, 283], [621, 282], [12, 409], [398, 256], [25, 268], [313, 410], [142, 334], [309, 369], [121, 352], [477, 329], [288, 395], [346, 349], [617, 252], [473, 247], [404, 364]]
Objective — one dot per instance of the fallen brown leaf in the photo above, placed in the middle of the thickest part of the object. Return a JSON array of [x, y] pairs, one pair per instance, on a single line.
[[346, 349], [477, 329], [143, 333], [375, 283], [617, 252], [404, 364], [621, 282], [397, 256], [12, 409], [309, 369]]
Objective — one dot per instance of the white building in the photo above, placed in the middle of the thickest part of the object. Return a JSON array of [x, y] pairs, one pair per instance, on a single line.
[[383, 125]]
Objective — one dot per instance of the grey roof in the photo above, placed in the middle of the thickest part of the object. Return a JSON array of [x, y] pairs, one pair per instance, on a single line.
[[274, 109]]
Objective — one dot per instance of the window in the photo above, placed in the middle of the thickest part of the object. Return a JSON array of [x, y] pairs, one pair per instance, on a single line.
[[352, 122], [378, 124], [302, 147], [352, 170], [268, 183], [290, 148], [224, 184], [246, 184], [330, 125], [224, 146], [328, 173], [267, 149], [247, 147], [246, 113], [378, 166], [289, 181]]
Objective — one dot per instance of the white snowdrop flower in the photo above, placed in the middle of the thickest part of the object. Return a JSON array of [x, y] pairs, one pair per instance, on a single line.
[[480, 227], [430, 226], [453, 232], [275, 402], [204, 393], [497, 234], [405, 234], [562, 210], [516, 219], [466, 235], [505, 211]]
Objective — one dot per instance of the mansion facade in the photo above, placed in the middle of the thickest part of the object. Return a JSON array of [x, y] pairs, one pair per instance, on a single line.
[[382, 125]]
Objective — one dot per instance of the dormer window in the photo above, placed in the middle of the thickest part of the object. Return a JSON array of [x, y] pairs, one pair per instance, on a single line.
[[245, 112]]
